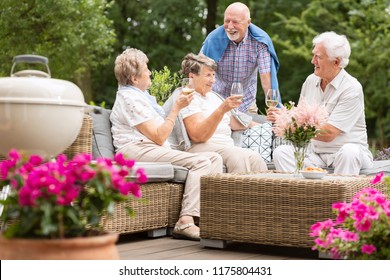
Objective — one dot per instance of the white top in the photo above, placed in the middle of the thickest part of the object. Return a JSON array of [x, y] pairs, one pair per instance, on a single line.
[[344, 100], [131, 108], [207, 105]]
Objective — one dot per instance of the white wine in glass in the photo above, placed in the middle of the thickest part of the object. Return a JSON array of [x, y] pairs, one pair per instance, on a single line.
[[272, 98], [237, 90], [187, 86]]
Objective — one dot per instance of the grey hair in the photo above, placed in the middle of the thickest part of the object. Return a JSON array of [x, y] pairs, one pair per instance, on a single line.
[[128, 65], [193, 63], [336, 46]]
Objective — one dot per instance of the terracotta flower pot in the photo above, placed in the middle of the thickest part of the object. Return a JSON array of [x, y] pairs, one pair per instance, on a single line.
[[100, 247]]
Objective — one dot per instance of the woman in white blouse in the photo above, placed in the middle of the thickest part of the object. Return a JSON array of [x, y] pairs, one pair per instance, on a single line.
[[140, 130], [209, 122]]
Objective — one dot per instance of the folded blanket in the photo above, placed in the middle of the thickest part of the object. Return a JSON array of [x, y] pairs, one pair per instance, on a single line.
[[178, 139]]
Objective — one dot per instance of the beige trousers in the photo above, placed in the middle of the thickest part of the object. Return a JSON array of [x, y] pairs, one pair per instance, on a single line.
[[236, 159], [198, 165]]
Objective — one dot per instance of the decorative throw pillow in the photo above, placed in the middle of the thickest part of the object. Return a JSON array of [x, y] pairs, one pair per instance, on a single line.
[[102, 138], [259, 139]]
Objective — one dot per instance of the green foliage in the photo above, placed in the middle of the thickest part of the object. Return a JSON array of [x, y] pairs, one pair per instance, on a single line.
[[165, 30], [75, 35], [293, 69], [163, 84], [101, 104], [387, 181], [84, 37]]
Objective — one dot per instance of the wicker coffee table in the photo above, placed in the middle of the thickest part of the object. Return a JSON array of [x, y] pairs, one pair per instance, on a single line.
[[270, 208]]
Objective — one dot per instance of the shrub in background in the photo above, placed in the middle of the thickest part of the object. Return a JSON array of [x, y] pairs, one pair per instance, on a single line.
[[164, 83]]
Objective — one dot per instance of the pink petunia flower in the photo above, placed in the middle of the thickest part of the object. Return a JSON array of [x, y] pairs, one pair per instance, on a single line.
[[363, 226], [120, 159], [141, 176], [378, 178], [320, 226], [368, 249]]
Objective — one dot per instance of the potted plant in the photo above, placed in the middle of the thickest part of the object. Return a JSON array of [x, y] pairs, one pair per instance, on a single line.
[[62, 200], [361, 229]]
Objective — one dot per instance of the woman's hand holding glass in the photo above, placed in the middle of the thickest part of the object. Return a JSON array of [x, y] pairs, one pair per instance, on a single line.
[[187, 86], [183, 100]]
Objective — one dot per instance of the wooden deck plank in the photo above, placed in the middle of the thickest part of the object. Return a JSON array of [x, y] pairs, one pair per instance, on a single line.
[[140, 247]]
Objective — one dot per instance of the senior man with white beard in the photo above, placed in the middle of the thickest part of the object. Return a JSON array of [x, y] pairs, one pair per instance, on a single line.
[[241, 49]]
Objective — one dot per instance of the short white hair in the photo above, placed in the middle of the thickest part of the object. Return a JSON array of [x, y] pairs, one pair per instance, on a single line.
[[336, 46]]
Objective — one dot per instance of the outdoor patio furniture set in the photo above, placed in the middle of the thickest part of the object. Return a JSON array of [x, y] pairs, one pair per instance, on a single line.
[[268, 208]]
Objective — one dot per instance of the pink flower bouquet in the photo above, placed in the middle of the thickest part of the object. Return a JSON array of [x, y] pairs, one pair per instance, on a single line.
[[361, 229], [299, 124], [63, 198]]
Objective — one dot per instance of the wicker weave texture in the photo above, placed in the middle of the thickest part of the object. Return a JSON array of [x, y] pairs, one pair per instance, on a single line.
[[269, 211], [83, 141], [152, 213], [174, 206]]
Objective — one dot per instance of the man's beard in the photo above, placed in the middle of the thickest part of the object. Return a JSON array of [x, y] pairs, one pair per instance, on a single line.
[[233, 37]]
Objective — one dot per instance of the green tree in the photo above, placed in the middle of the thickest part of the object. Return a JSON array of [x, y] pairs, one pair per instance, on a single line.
[[293, 69], [165, 30], [75, 35], [264, 15]]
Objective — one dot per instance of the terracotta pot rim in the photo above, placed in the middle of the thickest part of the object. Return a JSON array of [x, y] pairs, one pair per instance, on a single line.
[[82, 240], [99, 247]]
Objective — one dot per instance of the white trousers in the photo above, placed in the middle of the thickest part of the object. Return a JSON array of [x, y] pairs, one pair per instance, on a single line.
[[236, 159], [197, 164], [347, 161]]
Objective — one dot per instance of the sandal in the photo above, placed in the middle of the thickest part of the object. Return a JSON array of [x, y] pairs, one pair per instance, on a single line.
[[182, 232]]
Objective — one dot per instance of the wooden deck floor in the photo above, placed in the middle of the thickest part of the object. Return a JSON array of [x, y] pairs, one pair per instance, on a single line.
[[140, 247]]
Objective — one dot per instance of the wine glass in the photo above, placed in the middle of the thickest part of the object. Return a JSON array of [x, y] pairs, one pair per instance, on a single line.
[[237, 90], [187, 86], [272, 98]]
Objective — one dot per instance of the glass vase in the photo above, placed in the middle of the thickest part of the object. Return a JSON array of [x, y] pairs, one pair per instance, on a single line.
[[299, 155]]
